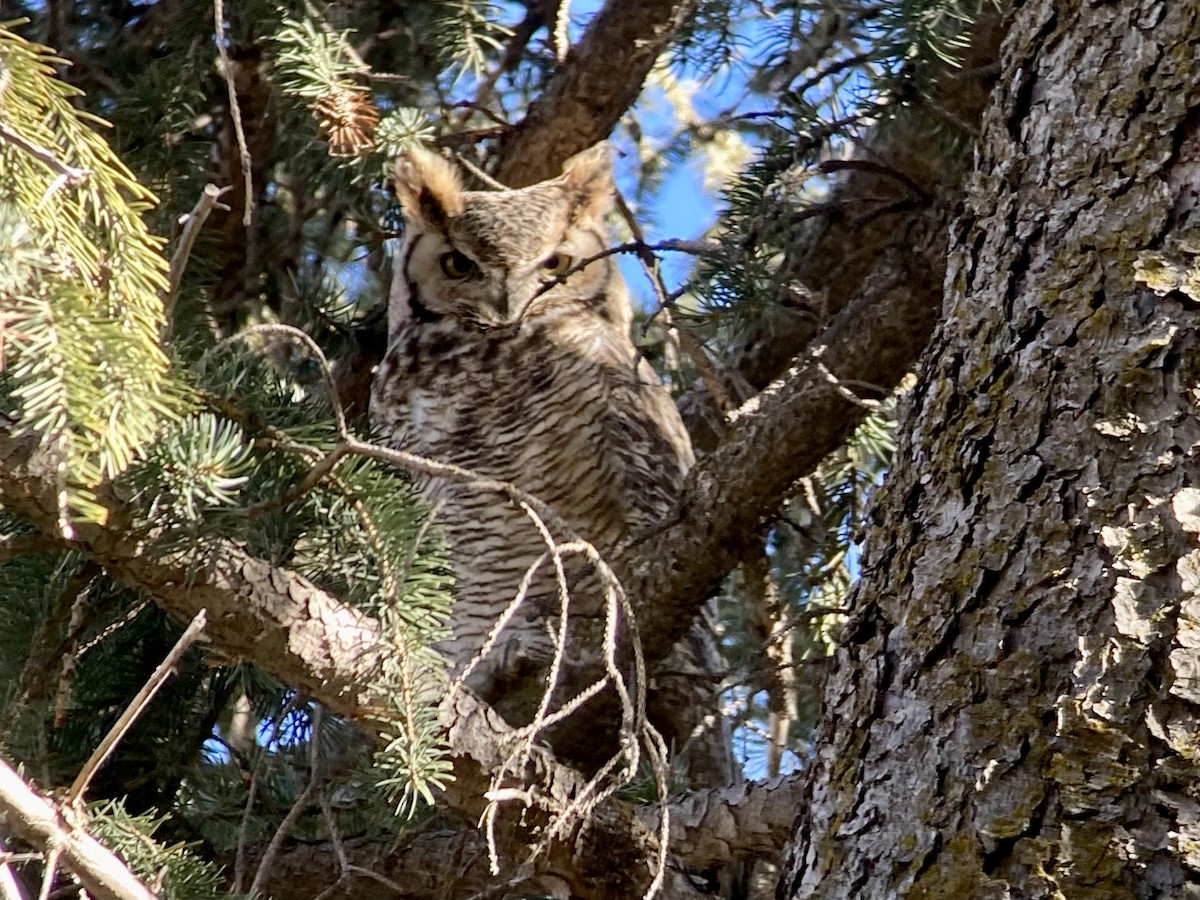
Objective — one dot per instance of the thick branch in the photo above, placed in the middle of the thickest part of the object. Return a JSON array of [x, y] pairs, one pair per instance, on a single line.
[[599, 80], [778, 436], [299, 633], [880, 284], [708, 828], [745, 821]]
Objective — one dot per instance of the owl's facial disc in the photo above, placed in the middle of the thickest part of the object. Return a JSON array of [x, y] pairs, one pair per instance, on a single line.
[[492, 259], [448, 278]]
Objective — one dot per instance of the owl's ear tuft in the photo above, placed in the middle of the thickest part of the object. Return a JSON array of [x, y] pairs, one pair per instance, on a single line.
[[587, 178], [429, 188]]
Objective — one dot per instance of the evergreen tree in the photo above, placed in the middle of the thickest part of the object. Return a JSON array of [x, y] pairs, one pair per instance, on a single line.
[[195, 216]]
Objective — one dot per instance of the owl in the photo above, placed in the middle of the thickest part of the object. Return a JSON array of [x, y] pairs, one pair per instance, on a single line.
[[510, 357]]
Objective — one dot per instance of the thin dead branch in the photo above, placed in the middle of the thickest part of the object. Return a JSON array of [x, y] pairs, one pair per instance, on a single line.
[[235, 110], [301, 804], [136, 707], [193, 222], [46, 826]]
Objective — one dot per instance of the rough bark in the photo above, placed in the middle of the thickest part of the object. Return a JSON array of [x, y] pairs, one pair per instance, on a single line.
[[743, 821], [708, 829], [1013, 712], [597, 83]]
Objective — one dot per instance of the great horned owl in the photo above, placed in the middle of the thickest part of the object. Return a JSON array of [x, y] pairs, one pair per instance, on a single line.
[[505, 360]]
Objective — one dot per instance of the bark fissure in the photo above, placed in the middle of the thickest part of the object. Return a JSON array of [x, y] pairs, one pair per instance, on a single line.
[[1035, 561]]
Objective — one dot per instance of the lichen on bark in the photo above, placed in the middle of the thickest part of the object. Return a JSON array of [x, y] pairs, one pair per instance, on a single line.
[[1014, 707]]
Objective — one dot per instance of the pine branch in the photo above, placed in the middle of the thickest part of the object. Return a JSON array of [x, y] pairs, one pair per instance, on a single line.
[[849, 252], [45, 826], [596, 84], [69, 175], [309, 639], [751, 820]]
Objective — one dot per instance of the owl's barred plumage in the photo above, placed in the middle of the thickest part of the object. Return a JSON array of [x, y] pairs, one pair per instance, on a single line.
[[499, 365]]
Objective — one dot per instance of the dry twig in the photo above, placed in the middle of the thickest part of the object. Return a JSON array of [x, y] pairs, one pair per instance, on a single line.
[[136, 707], [192, 223], [235, 110], [39, 822]]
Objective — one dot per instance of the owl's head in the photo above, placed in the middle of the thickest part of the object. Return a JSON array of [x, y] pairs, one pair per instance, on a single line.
[[492, 258]]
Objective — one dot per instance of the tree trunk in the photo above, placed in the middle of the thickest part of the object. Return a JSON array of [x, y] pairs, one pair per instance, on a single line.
[[1013, 712]]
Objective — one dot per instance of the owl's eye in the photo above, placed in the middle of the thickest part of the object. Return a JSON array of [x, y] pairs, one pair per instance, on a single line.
[[557, 263], [456, 265]]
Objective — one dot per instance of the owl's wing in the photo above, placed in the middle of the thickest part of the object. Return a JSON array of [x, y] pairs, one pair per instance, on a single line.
[[651, 446]]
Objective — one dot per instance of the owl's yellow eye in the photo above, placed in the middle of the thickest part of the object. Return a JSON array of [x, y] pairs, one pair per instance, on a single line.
[[456, 265], [557, 263]]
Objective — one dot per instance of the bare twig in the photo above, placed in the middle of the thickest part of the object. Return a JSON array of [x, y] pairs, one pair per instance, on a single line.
[[70, 652], [645, 253], [298, 808], [113, 627], [483, 176], [830, 166], [192, 223], [235, 110], [695, 248], [9, 859], [295, 334], [10, 888], [375, 876], [339, 849], [562, 24], [239, 863], [135, 708], [49, 873], [512, 55], [768, 621], [839, 385], [239, 859]]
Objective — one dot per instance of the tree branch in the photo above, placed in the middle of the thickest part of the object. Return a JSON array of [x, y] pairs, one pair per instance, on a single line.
[[777, 437], [708, 828], [308, 638], [599, 80], [749, 820], [881, 287], [42, 824]]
